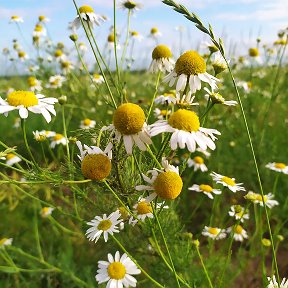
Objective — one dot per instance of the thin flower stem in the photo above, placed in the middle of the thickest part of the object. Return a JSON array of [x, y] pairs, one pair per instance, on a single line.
[[275, 184], [142, 270], [126, 40], [65, 133], [153, 156], [115, 41], [36, 231]]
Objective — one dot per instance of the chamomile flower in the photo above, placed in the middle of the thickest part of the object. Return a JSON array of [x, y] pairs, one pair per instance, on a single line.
[[210, 46], [5, 242], [165, 183], [95, 163], [58, 139], [227, 182], [22, 56], [185, 100], [214, 233], [257, 199], [46, 211], [97, 78], [82, 47], [34, 84], [117, 271], [33, 68], [89, 18], [16, 19], [129, 124], [104, 225], [39, 31], [239, 234], [111, 43], [43, 19], [217, 98], [161, 59], [254, 55], [39, 136], [155, 33], [66, 66], [59, 55], [87, 123], [219, 64], [130, 5], [136, 36], [190, 68], [185, 126], [161, 114], [166, 98], [206, 189], [278, 167], [247, 86], [48, 133], [273, 283], [56, 81], [12, 159], [26, 101], [239, 213], [197, 163]]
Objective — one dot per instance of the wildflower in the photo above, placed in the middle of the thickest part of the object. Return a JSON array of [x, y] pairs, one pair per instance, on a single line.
[[135, 35], [48, 133], [155, 33], [97, 78], [129, 123], [87, 123], [5, 242], [217, 98], [16, 19], [198, 163], [117, 272], [254, 52], [247, 86], [12, 159], [39, 136], [238, 212], [43, 19], [66, 66], [161, 114], [162, 59], [82, 47], [103, 225], [219, 64], [34, 84], [130, 5], [266, 242], [239, 233], [185, 100], [227, 182], [46, 211], [25, 101], [95, 163], [39, 31], [273, 283], [278, 167], [166, 183], [88, 16], [257, 199], [210, 46], [58, 139], [22, 56], [56, 81], [59, 55], [190, 68], [33, 68], [206, 189], [185, 126], [214, 233], [166, 98], [111, 43]]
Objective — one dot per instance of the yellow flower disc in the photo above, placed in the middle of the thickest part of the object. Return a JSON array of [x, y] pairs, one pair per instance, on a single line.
[[116, 270], [154, 30], [25, 98], [144, 207], [184, 120], [86, 122], [104, 225], [238, 229], [280, 165], [129, 118], [86, 9], [190, 63], [213, 231], [206, 188], [253, 52], [228, 181], [198, 160], [129, 4], [58, 53], [161, 51], [96, 166], [110, 38], [168, 185]]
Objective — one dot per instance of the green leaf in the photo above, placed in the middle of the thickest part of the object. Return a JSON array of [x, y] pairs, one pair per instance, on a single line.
[[203, 29]]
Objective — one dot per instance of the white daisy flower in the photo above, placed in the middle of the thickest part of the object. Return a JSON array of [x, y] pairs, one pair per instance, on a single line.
[[39, 31], [43, 19], [279, 167], [12, 159], [273, 283], [110, 43], [39, 136], [135, 35], [257, 199], [155, 33], [5, 242], [238, 212], [82, 47], [26, 101], [58, 139], [59, 55], [214, 233], [186, 99], [17, 19], [185, 126], [162, 59], [34, 84], [88, 16], [239, 234], [129, 124], [161, 114], [103, 225], [130, 5], [165, 183], [254, 55], [56, 81], [22, 56], [97, 78], [46, 211], [190, 68], [247, 86], [48, 133], [66, 66], [206, 189], [218, 63], [197, 163], [227, 182], [166, 98], [87, 123], [33, 68], [217, 98], [117, 271]]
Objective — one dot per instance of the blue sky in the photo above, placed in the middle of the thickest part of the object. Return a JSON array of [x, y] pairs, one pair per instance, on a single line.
[[239, 22]]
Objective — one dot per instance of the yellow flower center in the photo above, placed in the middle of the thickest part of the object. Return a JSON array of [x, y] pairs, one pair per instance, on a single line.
[[213, 231], [164, 112], [134, 33], [86, 9], [228, 181], [32, 81], [198, 160], [280, 165], [10, 156], [217, 98], [3, 241], [253, 52], [190, 63], [38, 28], [259, 198], [41, 18], [96, 76], [65, 64], [168, 185], [129, 118], [21, 54], [206, 188], [238, 229], [161, 51], [110, 38], [58, 53], [184, 120], [45, 210], [58, 137], [14, 17], [86, 122], [154, 30], [123, 212], [55, 82], [144, 207], [116, 270], [129, 4], [249, 84], [96, 166], [25, 98], [104, 225]]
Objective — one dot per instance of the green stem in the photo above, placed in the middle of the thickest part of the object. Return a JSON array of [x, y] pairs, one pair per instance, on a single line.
[[126, 40], [115, 41], [36, 231], [65, 133]]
